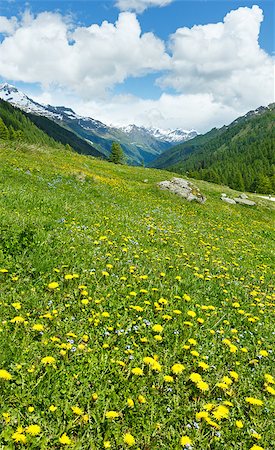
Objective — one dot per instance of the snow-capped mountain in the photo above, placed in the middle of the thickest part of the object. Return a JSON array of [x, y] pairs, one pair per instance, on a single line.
[[173, 136], [141, 144]]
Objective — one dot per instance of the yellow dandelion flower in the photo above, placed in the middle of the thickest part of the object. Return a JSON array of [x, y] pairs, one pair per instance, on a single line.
[[203, 365], [137, 371], [177, 368], [254, 401], [256, 447], [195, 377], [128, 439], [76, 410], [5, 375], [201, 415], [112, 415], [130, 403], [141, 399], [53, 285], [18, 319], [50, 360], [52, 408], [203, 386], [185, 441], [38, 327], [221, 412], [65, 440], [33, 430], [270, 390], [157, 328], [19, 437], [168, 379], [239, 424], [107, 444], [269, 378], [158, 337]]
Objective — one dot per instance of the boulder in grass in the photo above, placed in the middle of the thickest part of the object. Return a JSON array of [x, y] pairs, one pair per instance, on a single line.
[[183, 188], [244, 201]]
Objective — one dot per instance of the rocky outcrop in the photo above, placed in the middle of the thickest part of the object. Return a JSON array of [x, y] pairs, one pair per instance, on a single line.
[[183, 188], [242, 200]]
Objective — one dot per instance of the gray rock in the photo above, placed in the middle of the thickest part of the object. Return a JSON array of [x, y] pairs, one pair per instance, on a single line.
[[223, 195], [244, 196], [244, 201], [184, 189], [228, 200]]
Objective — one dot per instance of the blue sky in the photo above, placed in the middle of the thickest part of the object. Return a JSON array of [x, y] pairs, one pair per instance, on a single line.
[[152, 81]]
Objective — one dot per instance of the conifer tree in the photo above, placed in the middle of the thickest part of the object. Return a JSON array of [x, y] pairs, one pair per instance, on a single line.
[[117, 154], [4, 132]]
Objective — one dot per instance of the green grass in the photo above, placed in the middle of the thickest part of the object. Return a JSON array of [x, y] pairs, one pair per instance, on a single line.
[[139, 257]]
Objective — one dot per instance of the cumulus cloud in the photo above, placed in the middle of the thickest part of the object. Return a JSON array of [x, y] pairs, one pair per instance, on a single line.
[[140, 5], [218, 71], [223, 59], [198, 111], [8, 26], [88, 60]]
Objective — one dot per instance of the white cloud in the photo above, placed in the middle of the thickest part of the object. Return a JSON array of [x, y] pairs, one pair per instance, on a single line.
[[218, 70], [223, 59], [140, 5], [8, 26], [88, 60], [197, 111]]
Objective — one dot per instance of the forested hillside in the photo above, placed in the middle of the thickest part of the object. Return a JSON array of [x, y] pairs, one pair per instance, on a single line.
[[240, 155], [16, 125]]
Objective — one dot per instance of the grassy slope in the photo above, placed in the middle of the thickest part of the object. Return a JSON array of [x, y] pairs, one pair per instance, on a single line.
[[129, 244]]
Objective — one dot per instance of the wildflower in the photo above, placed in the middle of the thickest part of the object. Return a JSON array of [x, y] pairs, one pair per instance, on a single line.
[[269, 378], [256, 447], [52, 408], [157, 328], [64, 439], [158, 337], [94, 396], [221, 412], [185, 441], [141, 399], [5, 375], [203, 386], [177, 368], [30, 409], [16, 305], [137, 371], [234, 375], [33, 430], [254, 401], [195, 377], [53, 285], [18, 319], [168, 379], [112, 415], [38, 327], [19, 437], [203, 365], [129, 439], [76, 410], [201, 415], [130, 403], [48, 360], [107, 444], [239, 424], [270, 390]]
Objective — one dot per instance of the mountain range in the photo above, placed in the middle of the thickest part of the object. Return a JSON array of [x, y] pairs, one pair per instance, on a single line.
[[140, 144]]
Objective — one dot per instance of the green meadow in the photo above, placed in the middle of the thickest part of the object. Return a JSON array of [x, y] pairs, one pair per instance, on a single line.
[[130, 318]]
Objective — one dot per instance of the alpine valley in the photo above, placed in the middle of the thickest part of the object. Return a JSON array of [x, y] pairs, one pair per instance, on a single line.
[[140, 144]]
